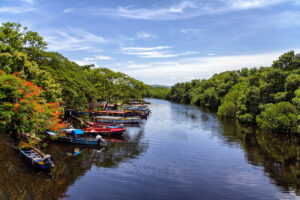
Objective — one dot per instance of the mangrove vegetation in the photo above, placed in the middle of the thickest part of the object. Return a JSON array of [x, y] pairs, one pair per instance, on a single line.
[[267, 96]]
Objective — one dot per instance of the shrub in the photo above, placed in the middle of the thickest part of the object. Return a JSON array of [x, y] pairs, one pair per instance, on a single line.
[[280, 117]]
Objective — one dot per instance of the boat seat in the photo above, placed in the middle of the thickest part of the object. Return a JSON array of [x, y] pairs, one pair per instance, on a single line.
[[34, 156]]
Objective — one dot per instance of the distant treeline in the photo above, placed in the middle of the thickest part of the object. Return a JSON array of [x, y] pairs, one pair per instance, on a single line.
[[158, 92], [266, 96]]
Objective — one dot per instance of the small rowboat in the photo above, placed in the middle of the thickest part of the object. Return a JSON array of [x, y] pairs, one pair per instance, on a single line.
[[37, 159]]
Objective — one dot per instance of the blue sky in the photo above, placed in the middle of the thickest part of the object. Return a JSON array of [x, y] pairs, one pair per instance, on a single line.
[[163, 42]]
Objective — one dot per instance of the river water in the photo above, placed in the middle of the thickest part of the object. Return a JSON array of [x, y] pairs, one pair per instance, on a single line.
[[181, 152]]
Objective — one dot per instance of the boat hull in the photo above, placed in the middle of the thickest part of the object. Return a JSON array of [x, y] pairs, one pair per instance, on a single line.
[[81, 141], [36, 161], [118, 121], [104, 131]]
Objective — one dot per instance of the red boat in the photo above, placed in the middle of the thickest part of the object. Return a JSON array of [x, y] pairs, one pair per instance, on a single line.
[[98, 124], [105, 130]]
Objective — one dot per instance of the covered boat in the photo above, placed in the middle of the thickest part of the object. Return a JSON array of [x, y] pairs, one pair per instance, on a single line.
[[118, 120], [77, 136], [122, 113]]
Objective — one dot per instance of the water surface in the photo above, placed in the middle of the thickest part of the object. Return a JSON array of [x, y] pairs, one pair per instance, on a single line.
[[181, 152]]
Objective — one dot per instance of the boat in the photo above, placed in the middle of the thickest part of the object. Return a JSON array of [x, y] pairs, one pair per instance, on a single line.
[[97, 124], [77, 136], [122, 113], [138, 108], [104, 130], [37, 158], [118, 120]]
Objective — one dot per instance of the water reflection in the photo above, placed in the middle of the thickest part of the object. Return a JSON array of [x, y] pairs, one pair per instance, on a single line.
[[279, 155], [20, 181]]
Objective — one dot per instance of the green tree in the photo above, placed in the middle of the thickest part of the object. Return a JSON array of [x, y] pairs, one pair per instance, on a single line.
[[229, 106], [282, 117]]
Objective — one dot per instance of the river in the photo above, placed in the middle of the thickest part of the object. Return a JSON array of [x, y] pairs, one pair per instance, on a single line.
[[181, 152]]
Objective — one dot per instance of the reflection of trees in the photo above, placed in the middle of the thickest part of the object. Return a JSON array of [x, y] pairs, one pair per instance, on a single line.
[[19, 181], [278, 154], [119, 152]]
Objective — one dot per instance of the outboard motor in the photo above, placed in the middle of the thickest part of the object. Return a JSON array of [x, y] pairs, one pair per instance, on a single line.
[[101, 141], [48, 160]]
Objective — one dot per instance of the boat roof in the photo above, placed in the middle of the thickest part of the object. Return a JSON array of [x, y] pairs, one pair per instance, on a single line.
[[116, 118], [74, 131], [112, 111]]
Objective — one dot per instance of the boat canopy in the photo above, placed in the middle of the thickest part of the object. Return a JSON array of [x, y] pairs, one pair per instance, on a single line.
[[77, 132]]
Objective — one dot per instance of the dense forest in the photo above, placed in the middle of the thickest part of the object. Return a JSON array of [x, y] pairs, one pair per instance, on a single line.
[[35, 83], [266, 96]]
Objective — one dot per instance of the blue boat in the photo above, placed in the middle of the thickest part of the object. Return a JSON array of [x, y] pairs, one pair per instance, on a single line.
[[77, 136], [37, 159]]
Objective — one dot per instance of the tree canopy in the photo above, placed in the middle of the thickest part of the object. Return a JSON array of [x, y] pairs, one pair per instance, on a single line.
[[24, 51]]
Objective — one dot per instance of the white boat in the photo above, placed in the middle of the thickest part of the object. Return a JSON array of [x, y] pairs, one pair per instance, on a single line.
[[118, 120]]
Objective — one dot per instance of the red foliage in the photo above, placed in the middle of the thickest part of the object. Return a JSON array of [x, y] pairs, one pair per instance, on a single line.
[[22, 91], [16, 107], [31, 109]]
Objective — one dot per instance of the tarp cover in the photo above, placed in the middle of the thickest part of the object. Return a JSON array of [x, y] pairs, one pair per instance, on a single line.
[[77, 132]]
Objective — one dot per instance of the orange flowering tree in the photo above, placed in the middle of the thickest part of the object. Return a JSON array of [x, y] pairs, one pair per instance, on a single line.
[[23, 110]]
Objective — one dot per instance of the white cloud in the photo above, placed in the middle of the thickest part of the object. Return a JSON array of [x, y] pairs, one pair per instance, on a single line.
[[87, 59], [169, 73], [80, 62], [17, 9], [68, 10], [148, 14], [84, 62], [144, 35], [104, 58], [154, 52], [29, 1], [186, 9], [248, 4], [145, 48], [95, 58], [72, 39]]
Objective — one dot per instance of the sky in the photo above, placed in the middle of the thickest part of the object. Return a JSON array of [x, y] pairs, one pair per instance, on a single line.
[[163, 41]]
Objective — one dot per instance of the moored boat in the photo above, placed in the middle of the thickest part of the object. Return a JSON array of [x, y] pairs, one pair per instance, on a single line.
[[118, 120], [77, 136], [37, 158], [104, 130]]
